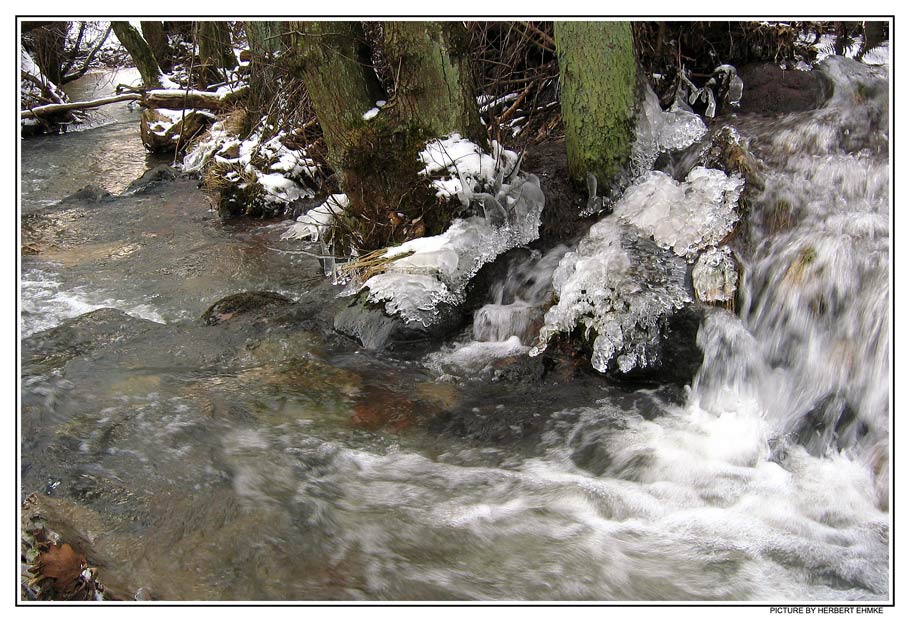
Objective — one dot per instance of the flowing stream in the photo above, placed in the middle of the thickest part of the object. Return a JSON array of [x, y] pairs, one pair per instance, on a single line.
[[263, 456]]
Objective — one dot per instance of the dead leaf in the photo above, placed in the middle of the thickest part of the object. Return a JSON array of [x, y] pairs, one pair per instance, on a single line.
[[63, 565]]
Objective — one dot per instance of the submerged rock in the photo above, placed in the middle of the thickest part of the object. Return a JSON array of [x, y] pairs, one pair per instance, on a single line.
[[80, 335], [89, 194], [151, 179], [237, 304]]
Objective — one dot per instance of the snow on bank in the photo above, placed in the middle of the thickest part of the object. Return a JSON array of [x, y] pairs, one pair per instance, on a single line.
[[426, 272], [462, 165], [280, 170]]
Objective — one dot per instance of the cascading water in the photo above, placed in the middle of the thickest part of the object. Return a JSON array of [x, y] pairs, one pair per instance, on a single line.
[[775, 468]]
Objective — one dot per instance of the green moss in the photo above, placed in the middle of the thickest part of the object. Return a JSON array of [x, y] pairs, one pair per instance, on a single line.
[[598, 80]]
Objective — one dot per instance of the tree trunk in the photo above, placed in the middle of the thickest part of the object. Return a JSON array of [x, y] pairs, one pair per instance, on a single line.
[[215, 52], [140, 52], [435, 85], [597, 69], [154, 34], [264, 39], [376, 156]]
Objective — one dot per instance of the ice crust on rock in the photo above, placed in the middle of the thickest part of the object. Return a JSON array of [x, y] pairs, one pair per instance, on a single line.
[[687, 216], [436, 269], [714, 276], [620, 286]]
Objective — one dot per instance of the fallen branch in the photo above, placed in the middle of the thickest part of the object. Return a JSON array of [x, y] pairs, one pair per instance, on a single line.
[[157, 98], [52, 109]]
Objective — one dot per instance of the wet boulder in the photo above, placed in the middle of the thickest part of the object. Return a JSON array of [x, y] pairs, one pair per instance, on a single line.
[[368, 323], [151, 179], [80, 335], [768, 89], [242, 303]]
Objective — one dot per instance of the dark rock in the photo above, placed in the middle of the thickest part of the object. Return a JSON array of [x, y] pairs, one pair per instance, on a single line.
[[679, 356], [369, 324], [560, 220], [831, 424], [770, 89], [238, 304], [89, 194], [151, 179]]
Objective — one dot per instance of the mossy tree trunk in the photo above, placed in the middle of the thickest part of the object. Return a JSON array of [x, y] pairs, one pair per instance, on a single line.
[[215, 52], [435, 84], [156, 37], [598, 82], [376, 159], [141, 53]]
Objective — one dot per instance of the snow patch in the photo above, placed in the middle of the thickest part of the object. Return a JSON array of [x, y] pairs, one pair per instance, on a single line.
[[313, 225]]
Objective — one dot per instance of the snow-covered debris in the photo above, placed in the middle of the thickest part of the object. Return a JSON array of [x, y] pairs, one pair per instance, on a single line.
[[687, 216], [280, 170], [165, 119], [457, 162], [434, 270], [315, 223], [621, 287], [714, 276]]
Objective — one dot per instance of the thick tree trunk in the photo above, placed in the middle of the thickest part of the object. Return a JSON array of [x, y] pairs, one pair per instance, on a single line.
[[154, 34], [140, 52], [376, 155], [215, 52], [435, 85], [597, 69]]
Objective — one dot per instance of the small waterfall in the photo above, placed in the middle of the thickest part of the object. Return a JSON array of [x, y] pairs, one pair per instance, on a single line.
[[810, 351], [519, 301]]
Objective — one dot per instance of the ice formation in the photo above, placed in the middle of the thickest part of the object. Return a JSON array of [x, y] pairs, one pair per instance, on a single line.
[[687, 216], [436, 269], [658, 131], [714, 276], [620, 286]]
